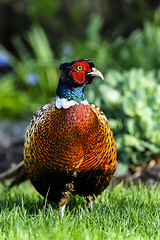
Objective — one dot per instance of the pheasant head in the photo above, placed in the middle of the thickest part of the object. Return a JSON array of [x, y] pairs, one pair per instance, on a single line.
[[74, 77]]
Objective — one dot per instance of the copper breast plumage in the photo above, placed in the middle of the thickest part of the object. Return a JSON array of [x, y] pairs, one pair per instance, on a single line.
[[69, 146]]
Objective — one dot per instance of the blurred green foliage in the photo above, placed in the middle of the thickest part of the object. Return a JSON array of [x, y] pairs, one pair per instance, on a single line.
[[131, 102], [129, 96], [22, 93]]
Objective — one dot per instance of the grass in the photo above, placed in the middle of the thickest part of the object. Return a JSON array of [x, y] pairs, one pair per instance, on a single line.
[[119, 213]]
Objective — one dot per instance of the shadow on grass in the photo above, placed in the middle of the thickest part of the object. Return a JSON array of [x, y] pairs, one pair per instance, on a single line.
[[25, 196]]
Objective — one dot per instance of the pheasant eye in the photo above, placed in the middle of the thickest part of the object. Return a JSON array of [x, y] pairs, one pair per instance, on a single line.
[[79, 68]]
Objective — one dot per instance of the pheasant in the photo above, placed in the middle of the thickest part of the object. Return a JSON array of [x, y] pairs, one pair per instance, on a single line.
[[69, 146]]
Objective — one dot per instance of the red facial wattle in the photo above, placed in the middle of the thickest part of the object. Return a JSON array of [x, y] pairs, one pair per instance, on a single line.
[[80, 75]]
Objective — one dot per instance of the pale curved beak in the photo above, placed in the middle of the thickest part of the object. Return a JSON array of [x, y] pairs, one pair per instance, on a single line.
[[96, 73]]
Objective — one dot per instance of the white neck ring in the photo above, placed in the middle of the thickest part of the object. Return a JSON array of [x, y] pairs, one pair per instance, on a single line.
[[64, 103]]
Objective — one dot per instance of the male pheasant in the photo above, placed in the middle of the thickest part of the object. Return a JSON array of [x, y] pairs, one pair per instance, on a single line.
[[69, 146]]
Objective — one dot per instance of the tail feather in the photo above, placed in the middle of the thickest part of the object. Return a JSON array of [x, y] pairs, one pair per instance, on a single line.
[[17, 174]]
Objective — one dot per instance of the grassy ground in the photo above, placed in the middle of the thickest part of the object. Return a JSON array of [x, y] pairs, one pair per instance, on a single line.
[[117, 214]]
